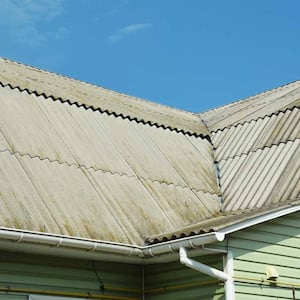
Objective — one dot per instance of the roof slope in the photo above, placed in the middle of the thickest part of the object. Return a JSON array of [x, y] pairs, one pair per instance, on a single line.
[[257, 152], [67, 169]]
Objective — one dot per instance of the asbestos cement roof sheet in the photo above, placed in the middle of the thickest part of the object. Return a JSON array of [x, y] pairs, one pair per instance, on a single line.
[[252, 108], [75, 171], [263, 178], [88, 95], [257, 134], [56, 198], [257, 159], [77, 136]]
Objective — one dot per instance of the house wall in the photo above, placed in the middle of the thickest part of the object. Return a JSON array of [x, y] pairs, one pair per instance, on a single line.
[[175, 281], [276, 243], [21, 274]]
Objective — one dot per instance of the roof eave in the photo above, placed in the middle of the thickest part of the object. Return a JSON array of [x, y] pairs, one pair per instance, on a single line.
[[64, 246], [47, 244], [260, 219]]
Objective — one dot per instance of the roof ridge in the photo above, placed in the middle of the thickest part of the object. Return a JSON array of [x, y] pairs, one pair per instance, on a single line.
[[139, 99], [248, 98], [258, 149], [103, 171], [93, 108], [275, 113]]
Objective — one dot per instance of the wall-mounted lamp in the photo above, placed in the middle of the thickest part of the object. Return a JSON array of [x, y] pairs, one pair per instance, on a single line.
[[271, 273]]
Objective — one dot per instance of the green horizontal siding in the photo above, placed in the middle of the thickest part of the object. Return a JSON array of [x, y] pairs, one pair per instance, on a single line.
[[175, 281], [10, 296], [76, 276], [275, 243]]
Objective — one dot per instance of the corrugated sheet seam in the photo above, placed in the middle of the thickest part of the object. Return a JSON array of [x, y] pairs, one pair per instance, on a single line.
[[258, 149], [16, 153]]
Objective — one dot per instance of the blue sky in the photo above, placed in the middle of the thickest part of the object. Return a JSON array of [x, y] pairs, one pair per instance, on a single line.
[[189, 54]]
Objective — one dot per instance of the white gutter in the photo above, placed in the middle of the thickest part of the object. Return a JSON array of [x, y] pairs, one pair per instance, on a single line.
[[225, 276], [35, 242], [187, 242]]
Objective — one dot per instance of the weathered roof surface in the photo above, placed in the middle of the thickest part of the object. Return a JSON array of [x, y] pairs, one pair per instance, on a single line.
[[81, 93], [257, 134], [257, 152], [81, 172], [79, 160], [254, 107], [259, 158]]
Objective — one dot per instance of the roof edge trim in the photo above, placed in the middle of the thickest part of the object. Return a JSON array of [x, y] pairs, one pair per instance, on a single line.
[[260, 219]]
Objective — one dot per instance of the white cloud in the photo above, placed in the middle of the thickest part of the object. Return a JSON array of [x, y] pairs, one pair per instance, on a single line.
[[128, 30], [21, 20]]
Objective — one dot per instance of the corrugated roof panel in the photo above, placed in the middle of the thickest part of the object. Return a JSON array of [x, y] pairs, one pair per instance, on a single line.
[[252, 108], [140, 152], [261, 178], [60, 136], [60, 199], [190, 157], [242, 139], [73, 135], [172, 200], [59, 87]]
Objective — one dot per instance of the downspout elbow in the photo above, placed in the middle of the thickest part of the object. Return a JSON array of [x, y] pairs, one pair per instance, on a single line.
[[195, 265]]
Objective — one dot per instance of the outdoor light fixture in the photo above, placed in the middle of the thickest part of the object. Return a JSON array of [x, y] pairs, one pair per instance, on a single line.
[[271, 273]]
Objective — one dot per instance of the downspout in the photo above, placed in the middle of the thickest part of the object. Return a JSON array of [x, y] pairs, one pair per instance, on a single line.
[[225, 276]]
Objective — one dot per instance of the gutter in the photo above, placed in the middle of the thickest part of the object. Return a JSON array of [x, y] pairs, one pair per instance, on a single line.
[[66, 246], [49, 244]]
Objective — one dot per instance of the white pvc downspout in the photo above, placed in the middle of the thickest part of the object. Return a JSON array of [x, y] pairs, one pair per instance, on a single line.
[[229, 283], [225, 276]]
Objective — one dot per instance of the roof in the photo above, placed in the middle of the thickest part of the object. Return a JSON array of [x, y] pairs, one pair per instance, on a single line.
[[68, 169], [79, 160]]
